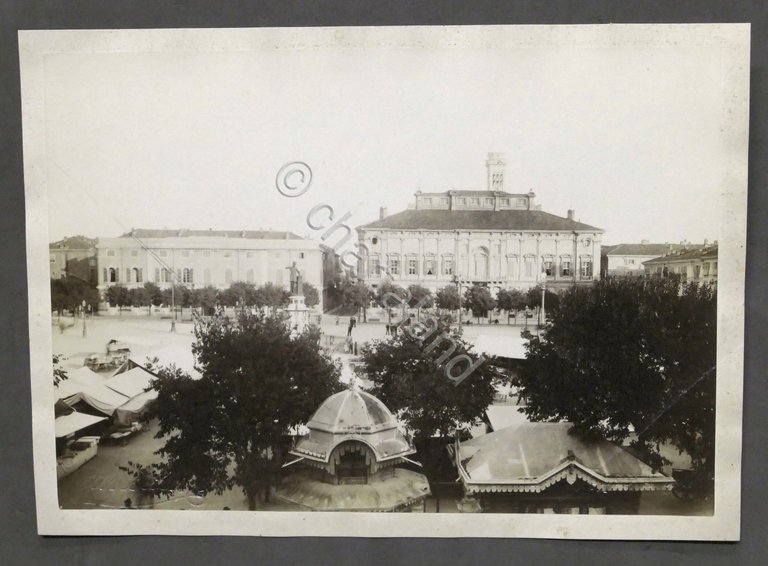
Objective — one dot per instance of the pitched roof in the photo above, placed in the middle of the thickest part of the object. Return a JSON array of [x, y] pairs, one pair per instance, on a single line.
[[429, 219], [74, 243], [709, 252], [532, 456], [182, 233], [646, 249]]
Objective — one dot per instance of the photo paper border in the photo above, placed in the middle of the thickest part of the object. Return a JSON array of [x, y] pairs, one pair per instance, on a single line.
[[734, 41]]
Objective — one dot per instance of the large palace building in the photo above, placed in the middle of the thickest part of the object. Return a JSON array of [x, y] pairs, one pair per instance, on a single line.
[[492, 237], [207, 257]]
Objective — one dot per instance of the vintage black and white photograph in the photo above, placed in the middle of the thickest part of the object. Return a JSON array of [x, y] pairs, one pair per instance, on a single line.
[[439, 281]]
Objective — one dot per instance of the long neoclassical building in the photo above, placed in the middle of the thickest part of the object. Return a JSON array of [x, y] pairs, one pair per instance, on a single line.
[[207, 257], [491, 237]]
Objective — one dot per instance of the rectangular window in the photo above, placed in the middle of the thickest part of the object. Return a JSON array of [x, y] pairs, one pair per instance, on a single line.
[[529, 267], [630, 261], [105, 275], [374, 266], [110, 252], [448, 266], [565, 267], [444, 201], [706, 269], [505, 202], [139, 275], [134, 253], [428, 200], [301, 255], [394, 266], [127, 274], [461, 200], [474, 201], [696, 271], [429, 267], [521, 203], [413, 267], [489, 202], [714, 268], [586, 269], [548, 270]]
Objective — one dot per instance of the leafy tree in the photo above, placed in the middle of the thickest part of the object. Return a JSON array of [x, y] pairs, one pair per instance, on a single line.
[[271, 295], [414, 377], [69, 293], [206, 297], [117, 296], [356, 294], [420, 297], [311, 295], [230, 427], [239, 293], [180, 296], [389, 296], [551, 300], [154, 294], [630, 355], [447, 298], [478, 299], [138, 297], [511, 300], [59, 373]]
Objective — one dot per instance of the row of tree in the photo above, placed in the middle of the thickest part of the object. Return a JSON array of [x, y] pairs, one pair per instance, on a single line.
[[477, 298], [208, 297]]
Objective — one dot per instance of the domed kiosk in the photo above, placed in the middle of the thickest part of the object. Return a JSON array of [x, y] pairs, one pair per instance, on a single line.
[[349, 460]]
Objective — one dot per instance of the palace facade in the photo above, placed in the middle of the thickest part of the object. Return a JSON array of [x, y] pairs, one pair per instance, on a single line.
[[197, 258], [492, 237]]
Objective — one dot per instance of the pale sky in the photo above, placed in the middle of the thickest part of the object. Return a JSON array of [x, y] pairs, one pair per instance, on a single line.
[[628, 136]]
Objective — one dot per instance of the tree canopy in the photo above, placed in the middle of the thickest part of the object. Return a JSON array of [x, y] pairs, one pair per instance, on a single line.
[[511, 300], [447, 298], [479, 300], [311, 295], [629, 355], [409, 373], [69, 293], [230, 426]]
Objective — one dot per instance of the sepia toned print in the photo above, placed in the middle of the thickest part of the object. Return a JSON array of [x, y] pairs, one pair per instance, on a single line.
[[477, 281]]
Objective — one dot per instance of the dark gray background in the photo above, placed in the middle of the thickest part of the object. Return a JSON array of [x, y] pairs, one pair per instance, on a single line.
[[19, 543]]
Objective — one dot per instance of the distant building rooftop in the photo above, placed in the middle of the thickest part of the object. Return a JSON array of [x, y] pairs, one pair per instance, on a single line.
[[431, 219], [700, 253], [74, 243], [182, 233], [647, 249]]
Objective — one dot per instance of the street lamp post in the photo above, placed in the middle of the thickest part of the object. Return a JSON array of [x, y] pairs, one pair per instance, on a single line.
[[173, 303], [458, 290], [84, 331]]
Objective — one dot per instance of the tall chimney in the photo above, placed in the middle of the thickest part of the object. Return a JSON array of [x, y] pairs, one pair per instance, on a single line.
[[495, 166], [382, 212], [571, 214]]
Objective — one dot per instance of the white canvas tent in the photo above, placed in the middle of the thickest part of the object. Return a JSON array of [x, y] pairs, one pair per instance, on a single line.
[[71, 423], [84, 385], [174, 355], [502, 346], [131, 383]]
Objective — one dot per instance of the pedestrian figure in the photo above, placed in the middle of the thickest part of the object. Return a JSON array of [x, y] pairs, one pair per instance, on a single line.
[[349, 330]]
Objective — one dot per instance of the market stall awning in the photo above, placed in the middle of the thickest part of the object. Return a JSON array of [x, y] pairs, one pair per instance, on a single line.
[[131, 383], [71, 423]]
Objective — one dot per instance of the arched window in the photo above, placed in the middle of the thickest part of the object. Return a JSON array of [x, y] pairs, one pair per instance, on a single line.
[[113, 277], [136, 275]]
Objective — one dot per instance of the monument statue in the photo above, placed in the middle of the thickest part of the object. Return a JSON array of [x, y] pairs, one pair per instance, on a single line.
[[297, 287]]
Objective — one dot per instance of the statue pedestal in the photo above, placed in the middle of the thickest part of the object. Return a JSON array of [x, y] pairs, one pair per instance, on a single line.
[[298, 314]]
